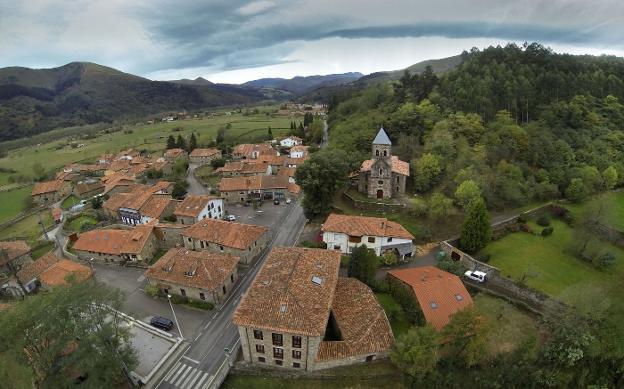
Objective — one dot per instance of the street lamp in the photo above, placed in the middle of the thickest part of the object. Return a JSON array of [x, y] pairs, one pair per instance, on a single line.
[[175, 317]]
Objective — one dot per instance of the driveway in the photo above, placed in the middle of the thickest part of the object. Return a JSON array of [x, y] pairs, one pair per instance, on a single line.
[[268, 214], [424, 256], [195, 187], [142, 306]]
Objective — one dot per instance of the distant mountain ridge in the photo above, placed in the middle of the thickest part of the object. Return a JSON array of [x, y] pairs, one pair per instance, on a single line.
[[299, 85], [197, 81]]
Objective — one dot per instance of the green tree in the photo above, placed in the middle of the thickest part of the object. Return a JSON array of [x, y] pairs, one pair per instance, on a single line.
[[96, 202], [417, 352], [180, 142], [179, 190], [466, 336], [427, 170], [440, 206], [363, 264], [576, 191], [171, 143], [192, 143], [610, 177], [476, 230], [39, 171], [270, 132], [67, 332], [466, 192], [321, 177]]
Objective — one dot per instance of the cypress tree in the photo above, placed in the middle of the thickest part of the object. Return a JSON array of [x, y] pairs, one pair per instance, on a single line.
[[180, 142], [192, 143], [476, 230], [171, 143]]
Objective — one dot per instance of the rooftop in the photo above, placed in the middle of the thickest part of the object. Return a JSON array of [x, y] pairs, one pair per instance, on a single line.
[[14, 249], [192, 205], [46, 187], [382, 138], [230, 234], [199, 269], [253, 183], [293, 292], [115, 242], [439, 293], [364, 226], [204, 152], [173, 153], [398, 166], [52, 270]]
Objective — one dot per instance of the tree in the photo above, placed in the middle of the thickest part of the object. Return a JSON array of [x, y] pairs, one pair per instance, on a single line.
[[171, 143], [181, 143], [363, 264], [440, 206], [417, 352], [427, 170], [466, 336], [476, 230], [96, 202], [39, 171], [68, 333], [576, 191], [221, 135], [217, 163], [466, 192], [270, 132], [610, 177], [192, 143], [179, 190], [320, 178]]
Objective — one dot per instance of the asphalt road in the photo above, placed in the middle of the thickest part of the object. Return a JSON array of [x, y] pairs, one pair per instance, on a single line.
[[195, 187], [206, 352]]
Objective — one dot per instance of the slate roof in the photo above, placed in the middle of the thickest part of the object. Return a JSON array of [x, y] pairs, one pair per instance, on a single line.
[[284, 296], [382, 138], [230, 234], [362, 322], [364, 226], [440, 294], [199, 269]]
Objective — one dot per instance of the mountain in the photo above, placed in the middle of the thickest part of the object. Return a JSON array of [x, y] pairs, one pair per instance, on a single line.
[[197, 81], [300, 85], [38, 100]]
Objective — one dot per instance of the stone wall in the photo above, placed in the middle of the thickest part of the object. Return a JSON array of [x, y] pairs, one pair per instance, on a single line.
[[372, 205], [169, 235]]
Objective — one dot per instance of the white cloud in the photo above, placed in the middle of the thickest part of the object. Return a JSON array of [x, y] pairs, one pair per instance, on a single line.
[[255, 7]]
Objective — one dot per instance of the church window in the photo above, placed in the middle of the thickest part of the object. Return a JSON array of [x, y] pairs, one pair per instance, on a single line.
[[380, 171], [377, 153], [380, 182], [385, 153]]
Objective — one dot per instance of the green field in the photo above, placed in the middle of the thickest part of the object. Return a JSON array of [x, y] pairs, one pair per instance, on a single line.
[[27, 228], [13, 202], [76, 224], [204, 174], [613, 201], [42, 250], [69, 202], [395, 314]]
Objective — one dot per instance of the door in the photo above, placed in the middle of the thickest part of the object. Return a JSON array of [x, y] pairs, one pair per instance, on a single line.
[[380, 194]]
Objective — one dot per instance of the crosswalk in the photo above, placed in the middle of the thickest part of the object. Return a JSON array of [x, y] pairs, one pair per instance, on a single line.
[[184, 376]]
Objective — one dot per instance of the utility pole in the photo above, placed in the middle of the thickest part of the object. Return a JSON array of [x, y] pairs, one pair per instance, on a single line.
[[175, 317], [45, 233]]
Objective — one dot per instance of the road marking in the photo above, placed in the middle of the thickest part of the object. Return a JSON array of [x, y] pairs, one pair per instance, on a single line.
[[208, 382], [174, 369], [190, 359], [200, 382], [175, 377], [141, 278], [178, 381], [208, 325], [197, 337], [193, 374]]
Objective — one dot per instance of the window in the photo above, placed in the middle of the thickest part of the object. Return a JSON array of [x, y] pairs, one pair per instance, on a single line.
[[371, 239], [232, 277], [355, 239], [260, 348], [296, 354], [369, 358], [389, 240], [385, 153], [459, 297], [277, 339], [221, 247], [261, 359], [189, 240], [278, 353], [183, 292], [296, 341], [202, 296], [377, 153], [380, 171], [380, 182], [258, 334], [224, 290], [279, 362], [433, 305], [201, 243], [166, 291], [336, 247], [296, 364]]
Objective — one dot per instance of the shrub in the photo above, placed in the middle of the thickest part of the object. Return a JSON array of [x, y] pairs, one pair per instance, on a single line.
[[521, 219], [605, 260], [199, 304], [152, 290], [525, 228], [547, 231], [451, 266], [543, 221]]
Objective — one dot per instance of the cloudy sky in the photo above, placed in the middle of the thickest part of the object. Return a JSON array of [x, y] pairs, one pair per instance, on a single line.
[[236, 41]]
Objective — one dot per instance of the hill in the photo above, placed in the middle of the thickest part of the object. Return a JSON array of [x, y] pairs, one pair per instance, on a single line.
[[300, 85], [37, 100], [197, 81]]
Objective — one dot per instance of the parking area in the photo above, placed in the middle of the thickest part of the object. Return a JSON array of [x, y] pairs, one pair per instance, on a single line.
[[268, 214], [142, 306]]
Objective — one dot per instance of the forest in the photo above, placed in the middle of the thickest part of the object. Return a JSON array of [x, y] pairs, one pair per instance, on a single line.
[[522, 122]]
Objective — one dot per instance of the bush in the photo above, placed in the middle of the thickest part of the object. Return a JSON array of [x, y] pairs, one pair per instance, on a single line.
[[606, 260], [547, 231], [521, 219], [199, 304], [152, 290], [543, 221], [451, 266]]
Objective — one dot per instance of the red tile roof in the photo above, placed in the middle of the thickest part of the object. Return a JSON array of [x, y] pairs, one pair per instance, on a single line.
[[14, 249], [32, 270], [115, 242], [439, 293], [253, 183], [205, 152], [57, 274], [192, 205], [398, 166], [246, 149], [293, 292], [364, 226], [174, 153], [156, 205], [46, 187], [362, 323], [230, 234], [199, 269]]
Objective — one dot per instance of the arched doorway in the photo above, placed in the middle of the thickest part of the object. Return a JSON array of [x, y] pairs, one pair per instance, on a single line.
[[380, 194]]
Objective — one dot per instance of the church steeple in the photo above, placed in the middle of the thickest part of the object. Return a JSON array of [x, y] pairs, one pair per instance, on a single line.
[[382, 145]]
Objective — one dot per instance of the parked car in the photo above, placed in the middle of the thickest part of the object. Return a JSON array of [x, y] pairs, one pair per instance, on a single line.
[[276, 202], [288, 201], [476, 275], [230, 218], [161, 322]]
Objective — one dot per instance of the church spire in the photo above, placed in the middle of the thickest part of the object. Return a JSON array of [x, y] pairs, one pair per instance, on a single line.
[[382, 138]]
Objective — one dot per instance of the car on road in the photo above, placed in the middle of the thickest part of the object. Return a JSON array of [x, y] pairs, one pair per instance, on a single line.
[[476, 275], [161, 322], [230, 218], [276, 202], [288, 201]]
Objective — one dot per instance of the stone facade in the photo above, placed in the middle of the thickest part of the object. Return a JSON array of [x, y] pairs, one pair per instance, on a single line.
[[145, 255], [246, 256], [215, 296]]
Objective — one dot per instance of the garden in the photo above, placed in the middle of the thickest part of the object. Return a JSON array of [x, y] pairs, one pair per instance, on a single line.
[[80, 223]]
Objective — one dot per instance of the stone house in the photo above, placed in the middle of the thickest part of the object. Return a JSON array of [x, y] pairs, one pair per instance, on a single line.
[[141, 204], [49, 271], [344, 232], [243, 169], [252, 151], [50, 191], [14, 255], [198, 275], [87, 189], [299, 315], [195, 208], [298, 152], [241, 189], [385, 175], [204, 156], [113, 245], [173, 155], [245, 241], [439, 294], [291, 141]]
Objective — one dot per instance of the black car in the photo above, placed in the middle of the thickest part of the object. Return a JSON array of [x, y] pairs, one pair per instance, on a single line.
[[276, 202], [161, 322]]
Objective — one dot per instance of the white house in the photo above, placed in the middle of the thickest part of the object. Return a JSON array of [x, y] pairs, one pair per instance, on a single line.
[[298, 151], [344, 232], [291, 141], [196, 208]]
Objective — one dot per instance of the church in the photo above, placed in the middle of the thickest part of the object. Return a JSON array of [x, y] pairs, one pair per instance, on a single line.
[[384, 175]]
